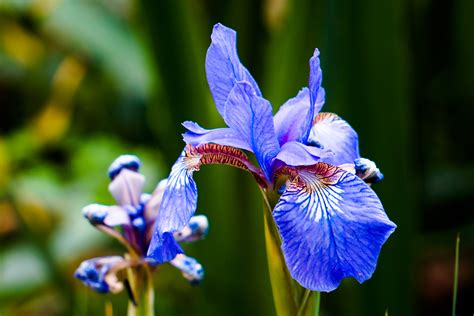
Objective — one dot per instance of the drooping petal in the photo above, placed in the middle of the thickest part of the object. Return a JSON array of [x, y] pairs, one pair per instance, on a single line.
[[316, 96], [196, 229], [335, 134], [332, 226], [100, 273], [163, 248], [190, 268], [250, 116], [110, 216], [223, 67], [180, 197], [127, 187], [296, 154], [197, 135], [291, 116]]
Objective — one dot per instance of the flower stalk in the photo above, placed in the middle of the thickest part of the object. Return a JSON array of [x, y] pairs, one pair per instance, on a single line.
[[142, 291], [289, 297]]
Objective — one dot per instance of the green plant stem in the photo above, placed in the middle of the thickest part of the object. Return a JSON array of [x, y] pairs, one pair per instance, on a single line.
[[456, 273], [289, 297], [141, 283]]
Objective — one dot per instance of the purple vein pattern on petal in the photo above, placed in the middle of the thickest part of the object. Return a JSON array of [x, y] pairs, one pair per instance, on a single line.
[[332, 226], [336, 135], [197, 135], [179, 200], [223, 67], [251, 117], [291, 116], [296, 154], [316, 95]]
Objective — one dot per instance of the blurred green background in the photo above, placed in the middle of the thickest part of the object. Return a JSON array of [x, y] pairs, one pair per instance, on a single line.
[[82, 81]]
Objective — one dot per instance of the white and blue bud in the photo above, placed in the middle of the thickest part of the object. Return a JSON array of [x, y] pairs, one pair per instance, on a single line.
[[367, 170], [95, 213], [99, 273], [196, 229], [190, 268], [129, 162]]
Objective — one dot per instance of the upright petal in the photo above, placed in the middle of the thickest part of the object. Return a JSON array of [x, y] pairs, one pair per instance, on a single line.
[[127, 187], [223, 67], [332, 226], [197, 135], [316, 96], [296, 154], [250, 116], [335, 134], [130, 162], [291, 116]]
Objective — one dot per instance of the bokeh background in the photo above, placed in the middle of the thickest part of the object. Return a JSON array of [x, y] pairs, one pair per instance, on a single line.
[[82, 81]]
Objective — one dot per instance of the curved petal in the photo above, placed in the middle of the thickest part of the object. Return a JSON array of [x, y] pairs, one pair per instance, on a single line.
[[197, 135], [251, 117], [180, 197], [110, 216], [163, 248], [223, 67], [127, 187], [316, 94], [332, 226], [177, 206], [296, 154], [100, 273], [291, 116], [190, 268], [335, 134]]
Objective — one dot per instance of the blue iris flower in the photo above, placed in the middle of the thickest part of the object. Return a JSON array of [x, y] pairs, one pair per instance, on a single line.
[[131, 222], [332, 224]]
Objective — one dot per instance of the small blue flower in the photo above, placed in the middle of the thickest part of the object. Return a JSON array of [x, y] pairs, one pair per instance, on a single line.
[[131, 221], [331, 223]]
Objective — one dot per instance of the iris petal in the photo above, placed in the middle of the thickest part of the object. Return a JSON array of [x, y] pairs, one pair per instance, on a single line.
[[99, 273], [127, 187], [250, 116], [316, 93], [196, 229], [296, 154], [179, 200], [336, 135], [197, 135], [191, 269], [291, 116], [332, 226], [163, 248], [223, 67], [107, 215]]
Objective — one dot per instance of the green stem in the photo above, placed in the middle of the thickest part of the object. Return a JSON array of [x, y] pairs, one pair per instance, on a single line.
[[456, 273], [141, 283], [289, 297]]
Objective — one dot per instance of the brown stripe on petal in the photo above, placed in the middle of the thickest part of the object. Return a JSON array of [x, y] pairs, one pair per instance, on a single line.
[[304, 177], [211, 154], [325, 116]]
